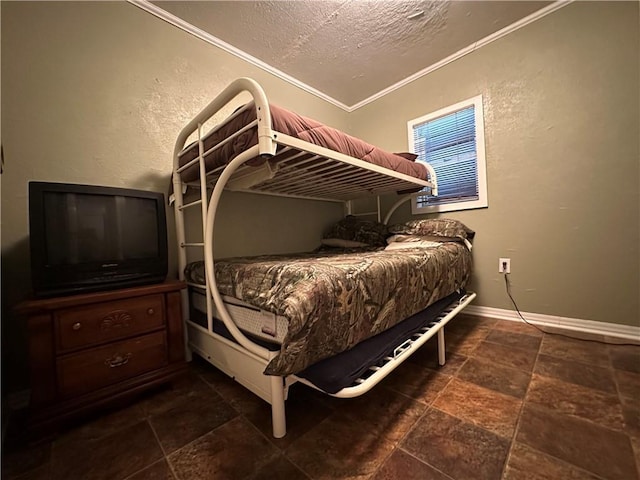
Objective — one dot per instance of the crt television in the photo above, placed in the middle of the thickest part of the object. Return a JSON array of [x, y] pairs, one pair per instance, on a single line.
[[87, 238]]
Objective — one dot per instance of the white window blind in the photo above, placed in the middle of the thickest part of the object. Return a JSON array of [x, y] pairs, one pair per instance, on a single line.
[[452, 141]]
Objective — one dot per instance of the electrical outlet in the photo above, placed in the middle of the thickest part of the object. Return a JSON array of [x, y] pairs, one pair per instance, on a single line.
[[504, 265]]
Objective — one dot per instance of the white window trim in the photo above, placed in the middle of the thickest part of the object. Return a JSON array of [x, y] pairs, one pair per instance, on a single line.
[[482, 201]]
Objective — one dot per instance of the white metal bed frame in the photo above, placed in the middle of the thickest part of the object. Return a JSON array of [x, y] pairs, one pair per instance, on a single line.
[[334, 177]]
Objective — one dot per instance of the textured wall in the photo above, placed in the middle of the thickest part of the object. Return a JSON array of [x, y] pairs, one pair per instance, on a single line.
[[561, 99], [96, 92]]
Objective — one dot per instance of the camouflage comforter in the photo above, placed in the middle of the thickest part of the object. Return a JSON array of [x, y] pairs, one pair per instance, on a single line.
[[336, 299]]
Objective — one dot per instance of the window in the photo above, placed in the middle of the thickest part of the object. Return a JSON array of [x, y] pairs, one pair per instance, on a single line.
[[452, 141]]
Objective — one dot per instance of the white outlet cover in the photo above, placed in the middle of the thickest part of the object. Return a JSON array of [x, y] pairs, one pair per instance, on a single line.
[[501, 262]]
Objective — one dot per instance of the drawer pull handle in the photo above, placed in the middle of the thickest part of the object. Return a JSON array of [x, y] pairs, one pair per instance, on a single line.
[[117, 360], [151, 311], [76, 326]]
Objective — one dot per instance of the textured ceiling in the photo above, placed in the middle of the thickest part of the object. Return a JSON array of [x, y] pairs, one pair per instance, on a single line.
[[350, 50]]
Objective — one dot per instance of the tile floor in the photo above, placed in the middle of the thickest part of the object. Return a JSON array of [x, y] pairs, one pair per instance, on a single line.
[[511, 404]]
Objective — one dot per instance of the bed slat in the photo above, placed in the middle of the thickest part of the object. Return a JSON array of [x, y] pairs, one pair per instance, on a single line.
[[305, 170]]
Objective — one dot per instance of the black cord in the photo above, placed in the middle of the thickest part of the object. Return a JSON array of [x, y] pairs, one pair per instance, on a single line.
[[508, 286]]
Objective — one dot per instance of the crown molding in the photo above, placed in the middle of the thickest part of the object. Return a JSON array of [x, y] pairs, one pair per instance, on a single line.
[[162, 14], [187, 27], [465, 51]]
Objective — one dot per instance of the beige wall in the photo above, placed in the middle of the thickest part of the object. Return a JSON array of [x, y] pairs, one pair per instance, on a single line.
[[561, 101], [96, 92]]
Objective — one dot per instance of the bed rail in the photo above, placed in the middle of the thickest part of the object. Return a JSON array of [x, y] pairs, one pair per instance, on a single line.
[[266, 145]]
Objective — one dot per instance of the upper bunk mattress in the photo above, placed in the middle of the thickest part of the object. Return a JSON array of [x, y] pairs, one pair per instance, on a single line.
[[332, 300], [290, 123]]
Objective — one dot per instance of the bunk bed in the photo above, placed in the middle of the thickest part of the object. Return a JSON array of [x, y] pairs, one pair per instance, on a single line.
[[271, 321]]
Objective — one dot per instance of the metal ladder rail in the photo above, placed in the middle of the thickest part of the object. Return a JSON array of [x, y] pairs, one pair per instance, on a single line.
[[179, 211]]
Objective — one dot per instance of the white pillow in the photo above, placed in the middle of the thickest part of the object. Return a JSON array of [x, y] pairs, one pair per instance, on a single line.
[[412, 244], [412, 239]]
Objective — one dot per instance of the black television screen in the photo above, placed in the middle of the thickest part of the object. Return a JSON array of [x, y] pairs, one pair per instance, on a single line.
[[88, 238]]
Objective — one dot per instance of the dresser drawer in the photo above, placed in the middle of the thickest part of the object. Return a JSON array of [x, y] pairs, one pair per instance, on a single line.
[[101, 366], [101, 322]]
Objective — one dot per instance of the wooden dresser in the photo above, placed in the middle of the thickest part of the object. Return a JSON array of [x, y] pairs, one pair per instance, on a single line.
[[90, 350]]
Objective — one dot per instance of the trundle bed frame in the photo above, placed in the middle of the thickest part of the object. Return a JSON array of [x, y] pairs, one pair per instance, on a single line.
[[296, 169]]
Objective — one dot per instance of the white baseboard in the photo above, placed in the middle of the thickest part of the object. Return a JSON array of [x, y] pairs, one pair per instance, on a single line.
[[629, 332]]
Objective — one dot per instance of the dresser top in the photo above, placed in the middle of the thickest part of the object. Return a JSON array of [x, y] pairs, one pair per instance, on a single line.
[[55, 303]]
